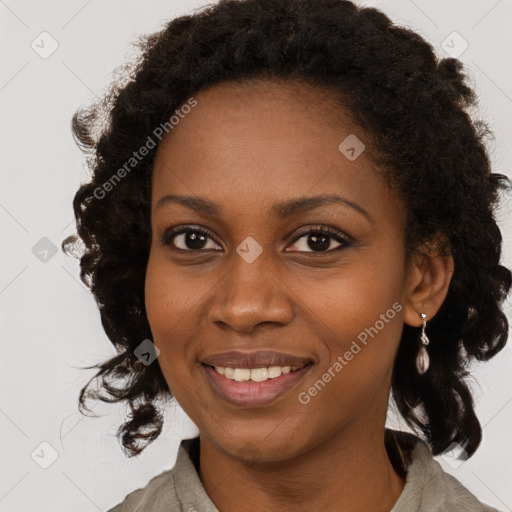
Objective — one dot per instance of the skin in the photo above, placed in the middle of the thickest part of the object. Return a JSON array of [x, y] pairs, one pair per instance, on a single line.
[[246, 147]]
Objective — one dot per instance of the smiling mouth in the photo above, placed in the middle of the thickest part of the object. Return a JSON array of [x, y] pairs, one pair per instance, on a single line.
[[237, 387], [255, 374]]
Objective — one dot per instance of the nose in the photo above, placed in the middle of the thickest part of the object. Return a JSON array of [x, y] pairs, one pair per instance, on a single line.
[[251, 294]]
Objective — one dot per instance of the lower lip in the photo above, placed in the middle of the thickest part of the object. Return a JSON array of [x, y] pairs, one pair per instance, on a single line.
[[253, 394]]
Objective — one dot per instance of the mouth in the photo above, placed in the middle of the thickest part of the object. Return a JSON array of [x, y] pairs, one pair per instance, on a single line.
[[254, 387], [255, 374]]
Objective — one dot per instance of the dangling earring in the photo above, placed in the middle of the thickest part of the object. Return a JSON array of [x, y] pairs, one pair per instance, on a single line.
[[422, 360]]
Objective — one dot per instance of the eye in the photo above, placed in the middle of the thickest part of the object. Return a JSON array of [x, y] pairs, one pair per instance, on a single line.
[[319, 239], [188, 238], [193, 239]]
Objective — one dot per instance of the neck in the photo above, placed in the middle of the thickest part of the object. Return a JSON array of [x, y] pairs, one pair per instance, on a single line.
[[349, 471]]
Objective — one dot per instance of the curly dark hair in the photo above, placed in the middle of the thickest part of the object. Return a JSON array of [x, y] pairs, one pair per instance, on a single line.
[[414, 109]]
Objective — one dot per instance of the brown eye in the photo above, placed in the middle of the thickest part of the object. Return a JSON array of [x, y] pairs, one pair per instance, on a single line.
[[191, 239], [320, 239], [187, 239]]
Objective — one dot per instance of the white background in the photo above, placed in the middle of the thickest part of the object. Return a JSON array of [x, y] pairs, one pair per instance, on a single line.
[[50, 323]]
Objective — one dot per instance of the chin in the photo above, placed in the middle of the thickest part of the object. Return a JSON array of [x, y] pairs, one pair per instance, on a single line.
[[258, 447]]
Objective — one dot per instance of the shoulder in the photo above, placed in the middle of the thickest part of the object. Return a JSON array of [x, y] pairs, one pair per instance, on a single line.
[[428, 487], [158, 495], [176, 490], [456, 497]]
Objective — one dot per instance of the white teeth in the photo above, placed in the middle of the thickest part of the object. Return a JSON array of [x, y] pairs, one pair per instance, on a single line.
[[274, 371], [242, 374], [259, 374], [254, 374]]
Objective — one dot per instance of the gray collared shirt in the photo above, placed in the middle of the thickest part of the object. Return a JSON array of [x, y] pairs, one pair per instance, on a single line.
[[428, 487]]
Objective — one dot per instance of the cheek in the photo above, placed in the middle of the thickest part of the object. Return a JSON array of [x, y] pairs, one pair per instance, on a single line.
[[174, 301], [158, 296], [170, 300], [353, 298], [358, 349], [359, 312], [166, 307]]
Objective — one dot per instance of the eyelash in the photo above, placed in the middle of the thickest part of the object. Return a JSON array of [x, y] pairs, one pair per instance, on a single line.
[[170, 234]]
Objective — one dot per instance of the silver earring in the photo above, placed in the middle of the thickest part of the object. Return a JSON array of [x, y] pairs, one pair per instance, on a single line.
[[422, 360]]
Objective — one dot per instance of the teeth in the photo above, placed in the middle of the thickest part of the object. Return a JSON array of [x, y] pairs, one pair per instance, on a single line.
[[255, 374], [242, 374], [258, 374]]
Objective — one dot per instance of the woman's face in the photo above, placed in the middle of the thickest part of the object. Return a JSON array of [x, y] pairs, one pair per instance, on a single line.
[[260, 280]]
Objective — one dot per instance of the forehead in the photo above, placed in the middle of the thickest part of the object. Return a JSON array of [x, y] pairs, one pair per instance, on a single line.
[[264, 140]]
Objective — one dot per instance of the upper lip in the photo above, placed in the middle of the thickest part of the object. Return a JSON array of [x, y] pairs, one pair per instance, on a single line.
[[255, 359]]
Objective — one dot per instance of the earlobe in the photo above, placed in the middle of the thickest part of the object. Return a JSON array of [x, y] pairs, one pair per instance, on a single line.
[[428, 282]]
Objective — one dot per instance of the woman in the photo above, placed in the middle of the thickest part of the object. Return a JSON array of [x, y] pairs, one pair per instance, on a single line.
[[291, 215]]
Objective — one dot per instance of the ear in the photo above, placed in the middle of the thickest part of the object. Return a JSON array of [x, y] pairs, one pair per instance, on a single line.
[[428, 279]]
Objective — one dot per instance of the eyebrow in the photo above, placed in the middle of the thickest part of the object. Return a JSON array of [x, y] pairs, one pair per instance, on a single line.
[[282, 210]]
